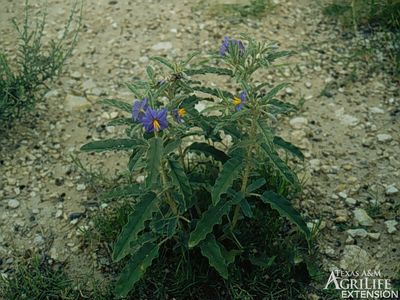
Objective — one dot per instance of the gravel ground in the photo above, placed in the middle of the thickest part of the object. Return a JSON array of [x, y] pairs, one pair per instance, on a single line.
[[349, 131]]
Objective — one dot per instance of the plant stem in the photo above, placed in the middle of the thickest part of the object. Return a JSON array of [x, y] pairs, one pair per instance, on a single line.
[[169, 200]]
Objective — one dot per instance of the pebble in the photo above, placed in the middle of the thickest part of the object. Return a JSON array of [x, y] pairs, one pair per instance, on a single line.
[[391, 226], [76, 75], [342, 195], [355, 258], [350, 201], [162, 46], [384, 137], [298, 122], [38, 240], [76, 102], [376, 110], [357, 232], [391, 190], [80, 187], [362, 217], [13, 203], [308, 84], [374, 236]]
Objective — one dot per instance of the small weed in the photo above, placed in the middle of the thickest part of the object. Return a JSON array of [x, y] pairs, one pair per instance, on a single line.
[[35, 278], [36, 64]]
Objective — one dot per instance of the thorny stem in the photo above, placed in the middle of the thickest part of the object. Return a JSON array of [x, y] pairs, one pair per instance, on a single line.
[[246, 174], [169, 200]]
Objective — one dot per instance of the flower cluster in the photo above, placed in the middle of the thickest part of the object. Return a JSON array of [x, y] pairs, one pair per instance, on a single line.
[[151, 119], [227, 43]]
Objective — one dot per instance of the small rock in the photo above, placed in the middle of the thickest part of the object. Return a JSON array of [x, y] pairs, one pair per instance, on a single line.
[[362, 217], [38, 240], [350, 201], [391, 190], [308, 84], [342, 195], [354, 258], [13, 203], [81, 187], [315, 164], [289, 91], [357, 232], [76, 102], [76, 75], [144, 59], [59, 213], [162, 46], [384, 137], [376, 110], [374, 236], [75, 215], [298, 122], [391, 226]]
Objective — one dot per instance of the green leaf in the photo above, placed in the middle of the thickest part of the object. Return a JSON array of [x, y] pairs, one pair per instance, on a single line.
[[209, 218], [135, 268], [150, 72], [246, 208], [121, 192], [213, 91], [211, 249], [111, 144], [118, 104], [230, 171], [288, 146], [278, 107], [262, 260], [180, 179], [209, 70], [265, 131], [135, 159], [274, 91], [154, 155], [142, 212], [279, 165], [171, 146], [163, 61], [165, 226], [278, 54], [255, 185], [208, 150], [285, 209]]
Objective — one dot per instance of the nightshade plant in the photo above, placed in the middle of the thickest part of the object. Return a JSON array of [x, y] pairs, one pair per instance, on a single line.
[[199, 184]]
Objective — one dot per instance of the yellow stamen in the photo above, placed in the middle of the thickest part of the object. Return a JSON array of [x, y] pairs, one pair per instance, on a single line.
[[237, 101], [156, 124], [181, 112]]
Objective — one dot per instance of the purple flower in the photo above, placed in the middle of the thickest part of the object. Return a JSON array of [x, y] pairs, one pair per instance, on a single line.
[[155, 120], [227, 43], [178, 114], [139, 108], [240, 101]]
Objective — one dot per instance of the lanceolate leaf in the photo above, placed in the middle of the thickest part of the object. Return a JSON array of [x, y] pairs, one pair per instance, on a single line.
[[118, 104], [154, 155], [135, 268], [135, 159], [208, 150], [276, 106], [120, 121], [209, 218], [212, 70], [288, 146], [143, 212], [255, 185], [274, 91], [246, 208], [131, 190], [214, 92], [164, 61], [230, 171], [211, 249], [279, 165], [180, 179], [285, 208], [265, 131], [111, 144]]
